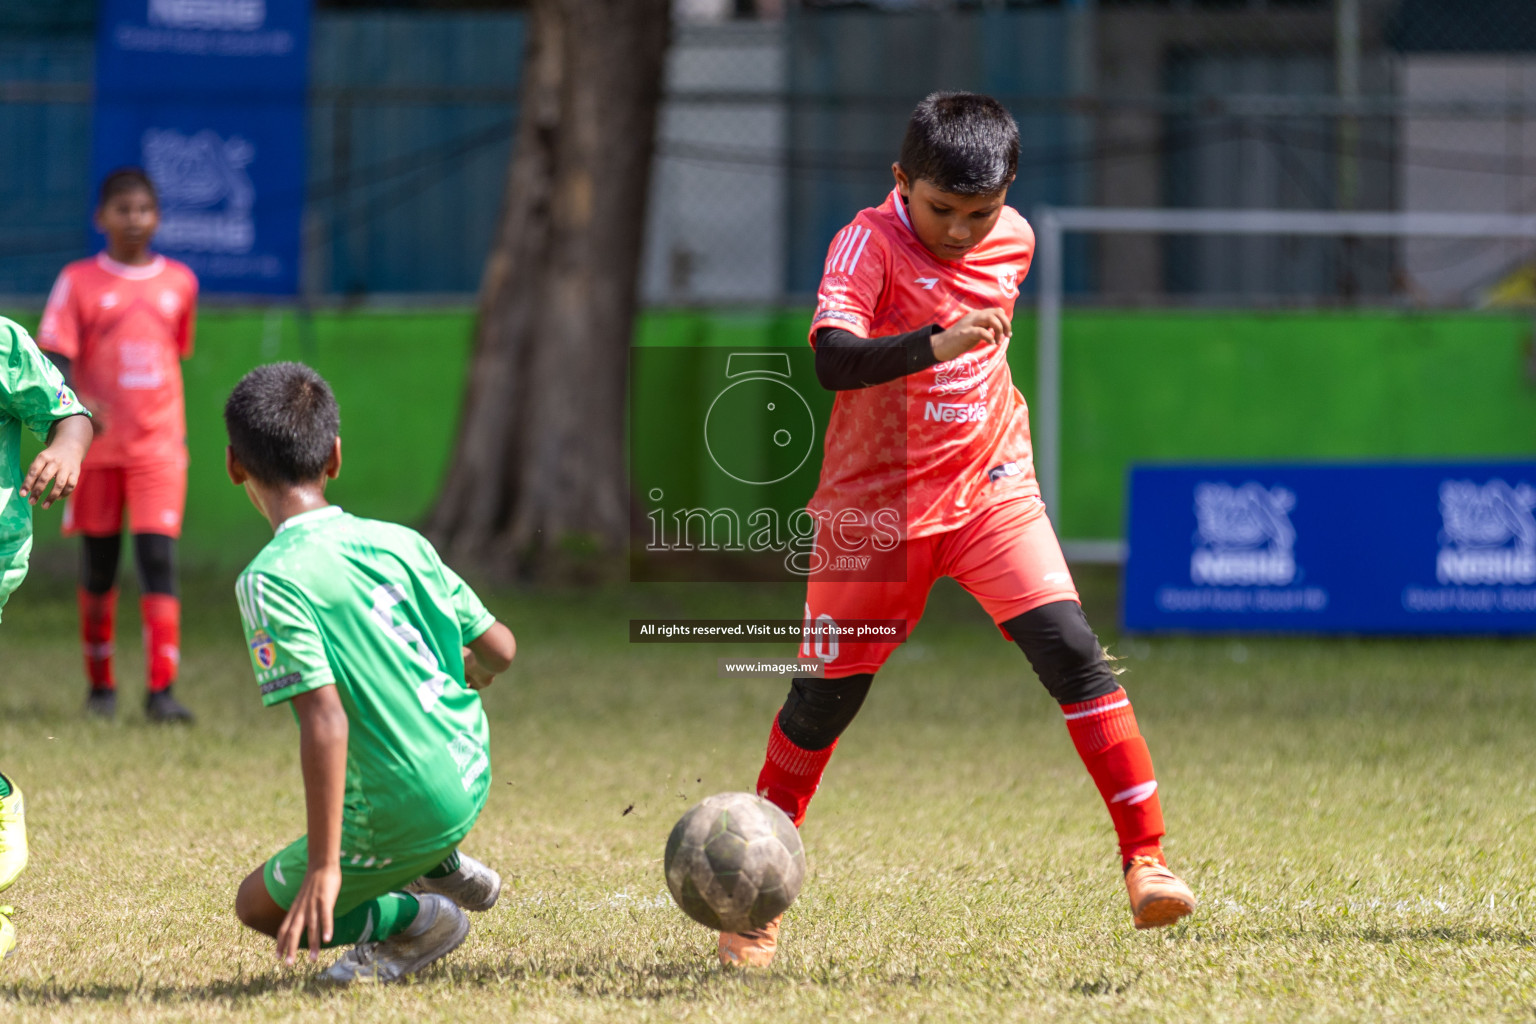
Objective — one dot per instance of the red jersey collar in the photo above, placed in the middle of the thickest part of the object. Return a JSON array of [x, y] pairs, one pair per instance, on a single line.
[[128, 271]]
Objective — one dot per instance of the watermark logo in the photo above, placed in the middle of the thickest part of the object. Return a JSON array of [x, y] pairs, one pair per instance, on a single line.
[[1244, 536], [1488, 534], [722, 446], [236, 15], [205, 195], [759, 400]]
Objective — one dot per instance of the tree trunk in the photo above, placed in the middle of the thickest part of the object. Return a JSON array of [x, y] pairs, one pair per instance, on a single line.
[[536, 487]]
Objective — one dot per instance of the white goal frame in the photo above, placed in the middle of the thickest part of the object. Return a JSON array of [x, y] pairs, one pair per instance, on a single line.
[[1052, 223]]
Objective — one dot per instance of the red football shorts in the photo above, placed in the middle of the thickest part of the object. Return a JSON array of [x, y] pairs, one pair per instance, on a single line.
[[155, 493], [1008, 558]]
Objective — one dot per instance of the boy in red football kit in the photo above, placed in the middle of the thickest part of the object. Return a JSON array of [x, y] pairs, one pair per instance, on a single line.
[[911, 330], [118, 325]]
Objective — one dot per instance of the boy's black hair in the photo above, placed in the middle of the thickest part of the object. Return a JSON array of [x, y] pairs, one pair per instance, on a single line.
[[961, 142], [282, 420], [126, 179]]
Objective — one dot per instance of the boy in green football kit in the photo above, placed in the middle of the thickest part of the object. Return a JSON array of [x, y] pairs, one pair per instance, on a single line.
[[33, 393], [379, 648]]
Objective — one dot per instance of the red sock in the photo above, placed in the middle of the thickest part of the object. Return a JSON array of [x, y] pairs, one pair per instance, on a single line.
[[1105, 734], [98, 619], [791, 774], [162, 638]]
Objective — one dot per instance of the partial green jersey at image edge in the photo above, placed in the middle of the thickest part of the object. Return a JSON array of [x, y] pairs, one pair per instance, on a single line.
[[32, 392]]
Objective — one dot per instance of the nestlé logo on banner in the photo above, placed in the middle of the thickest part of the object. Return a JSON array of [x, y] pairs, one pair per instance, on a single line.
[[235, 15], [1488, 534], [205, 195], [1244, 536]]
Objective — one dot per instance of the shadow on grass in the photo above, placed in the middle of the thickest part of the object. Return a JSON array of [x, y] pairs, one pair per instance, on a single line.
[[54, 993], [589, 977], [1504, 935], [593, 976], [1326, 932], [1104, 985]]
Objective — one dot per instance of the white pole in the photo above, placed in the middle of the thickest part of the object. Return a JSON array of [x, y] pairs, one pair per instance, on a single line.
[[1051, 223], [1346, 57], [1047, 416]]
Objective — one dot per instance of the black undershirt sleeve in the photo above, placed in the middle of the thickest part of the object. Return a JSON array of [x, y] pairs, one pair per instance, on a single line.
[[847, 362], [66, 368]]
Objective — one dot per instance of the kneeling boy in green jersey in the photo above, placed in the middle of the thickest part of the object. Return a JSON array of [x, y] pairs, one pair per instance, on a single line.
[[379, 648], [31, 392]]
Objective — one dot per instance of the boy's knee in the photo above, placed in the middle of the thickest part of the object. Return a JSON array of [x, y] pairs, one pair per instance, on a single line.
[[156, 556], [818, 710], [255, 907], [98, 563], [1064, 652]]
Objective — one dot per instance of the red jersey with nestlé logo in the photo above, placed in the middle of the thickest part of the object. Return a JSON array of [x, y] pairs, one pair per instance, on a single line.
[[942, 444], [126, 330]]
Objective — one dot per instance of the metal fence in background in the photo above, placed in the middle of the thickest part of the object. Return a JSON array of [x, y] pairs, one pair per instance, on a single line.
[[781, 121], [410, 128], [411, 124]]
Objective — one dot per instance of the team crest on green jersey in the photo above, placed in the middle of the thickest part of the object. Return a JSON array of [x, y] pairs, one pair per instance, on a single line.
[[263, 650]]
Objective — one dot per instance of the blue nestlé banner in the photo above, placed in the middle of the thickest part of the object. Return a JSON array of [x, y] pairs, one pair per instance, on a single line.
[[208, 96], [1396, 548]]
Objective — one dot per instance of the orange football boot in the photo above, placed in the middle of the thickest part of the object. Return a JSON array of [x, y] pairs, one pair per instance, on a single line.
[[1158, 897], [750, 949]]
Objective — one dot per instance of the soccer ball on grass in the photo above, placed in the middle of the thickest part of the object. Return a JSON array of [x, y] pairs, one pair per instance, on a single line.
[[734, 862]]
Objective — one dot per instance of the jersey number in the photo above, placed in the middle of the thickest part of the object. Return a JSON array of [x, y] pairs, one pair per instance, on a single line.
[[820, 636], [430, 691]]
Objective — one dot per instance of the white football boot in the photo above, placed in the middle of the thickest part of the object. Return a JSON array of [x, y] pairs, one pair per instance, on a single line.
[[437, 931], [473, 887]]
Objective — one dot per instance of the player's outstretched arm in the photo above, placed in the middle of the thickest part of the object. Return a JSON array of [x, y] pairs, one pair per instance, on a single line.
[[846, 361], [56, 470], [488, 656], [969, 331], [323, 757]]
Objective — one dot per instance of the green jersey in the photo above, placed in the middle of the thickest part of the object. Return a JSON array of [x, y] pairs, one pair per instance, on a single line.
[[32, 392], [370, 608]]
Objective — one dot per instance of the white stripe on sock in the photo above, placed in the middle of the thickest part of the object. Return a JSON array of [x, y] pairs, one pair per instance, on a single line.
[[1136, 794], [1074, 716]]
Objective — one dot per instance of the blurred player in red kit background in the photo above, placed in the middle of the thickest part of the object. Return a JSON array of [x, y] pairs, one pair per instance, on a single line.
[[118, 325]]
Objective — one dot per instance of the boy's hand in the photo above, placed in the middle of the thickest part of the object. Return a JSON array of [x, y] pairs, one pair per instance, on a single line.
[[323, 729], [476, 675], [488, 656], [969, 331], [56, 470], [311, 912]]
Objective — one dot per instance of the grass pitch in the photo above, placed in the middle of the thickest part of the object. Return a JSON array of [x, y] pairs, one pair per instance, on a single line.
[[1356, 817]]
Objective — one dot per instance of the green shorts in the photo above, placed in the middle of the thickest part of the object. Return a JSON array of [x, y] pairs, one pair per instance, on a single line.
[[10, 578], [362, 878]]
